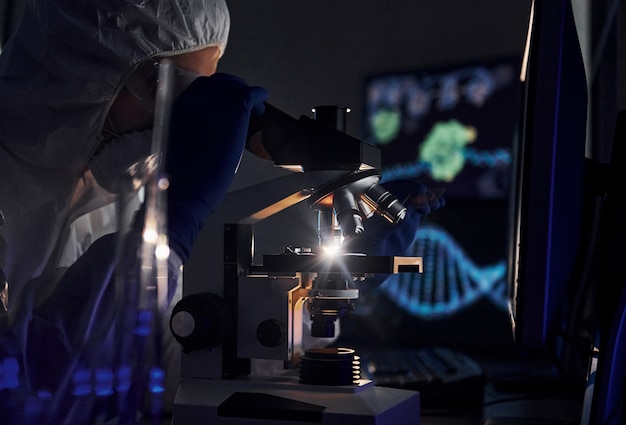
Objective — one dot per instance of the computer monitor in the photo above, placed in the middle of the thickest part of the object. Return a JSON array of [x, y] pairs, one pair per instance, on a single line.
[[568, 228], [549, 172], [606, 383]]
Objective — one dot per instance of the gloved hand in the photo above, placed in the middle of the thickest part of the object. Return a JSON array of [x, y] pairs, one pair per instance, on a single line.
[[415, 195], [208, 132]]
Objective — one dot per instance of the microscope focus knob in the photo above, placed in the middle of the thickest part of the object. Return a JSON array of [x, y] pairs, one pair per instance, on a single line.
[[201, 321], [271, 333]]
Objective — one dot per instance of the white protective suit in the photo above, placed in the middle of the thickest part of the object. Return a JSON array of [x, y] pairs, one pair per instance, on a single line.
[[59, 75]]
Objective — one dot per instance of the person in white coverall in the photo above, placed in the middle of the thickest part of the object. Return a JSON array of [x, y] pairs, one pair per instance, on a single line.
[[77, 89]]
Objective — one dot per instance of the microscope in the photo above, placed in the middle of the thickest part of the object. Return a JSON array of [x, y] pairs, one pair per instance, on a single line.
[[248, 331]]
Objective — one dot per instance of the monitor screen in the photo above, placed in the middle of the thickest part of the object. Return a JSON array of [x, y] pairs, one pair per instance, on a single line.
[[450, 128]]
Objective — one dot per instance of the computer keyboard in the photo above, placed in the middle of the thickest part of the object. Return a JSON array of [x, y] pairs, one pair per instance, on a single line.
[[445, 378]]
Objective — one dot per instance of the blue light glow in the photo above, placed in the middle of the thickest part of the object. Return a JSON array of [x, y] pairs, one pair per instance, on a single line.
[[9, 371], [144, 322], [44, 395], [123, 379], [104, 382], [156, 380], [82, 382]]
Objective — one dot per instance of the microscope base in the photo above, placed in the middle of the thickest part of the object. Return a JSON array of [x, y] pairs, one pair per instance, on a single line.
[[245, 402]]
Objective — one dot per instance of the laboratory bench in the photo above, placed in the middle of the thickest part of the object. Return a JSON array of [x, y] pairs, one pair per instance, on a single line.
[[516, 392]]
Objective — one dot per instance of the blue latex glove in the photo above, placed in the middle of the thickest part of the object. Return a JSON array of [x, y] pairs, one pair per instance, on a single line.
[[208, 133], [415, 195]]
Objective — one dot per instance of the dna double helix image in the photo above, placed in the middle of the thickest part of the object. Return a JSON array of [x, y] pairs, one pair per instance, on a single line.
[[449, 281]]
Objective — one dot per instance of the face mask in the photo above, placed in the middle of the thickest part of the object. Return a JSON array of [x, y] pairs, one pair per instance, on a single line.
[[143, 83], [115, 167], [114, 162]]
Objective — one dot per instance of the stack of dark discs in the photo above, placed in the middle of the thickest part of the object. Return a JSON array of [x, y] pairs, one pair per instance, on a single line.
[[330, 366]]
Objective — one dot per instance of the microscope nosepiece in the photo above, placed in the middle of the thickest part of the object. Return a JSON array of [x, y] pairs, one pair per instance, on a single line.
[[348, 213]]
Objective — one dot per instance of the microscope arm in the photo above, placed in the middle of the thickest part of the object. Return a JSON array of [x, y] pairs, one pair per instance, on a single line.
[[245, 206], [339, 174], [259, 314]]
